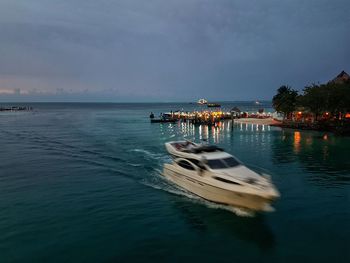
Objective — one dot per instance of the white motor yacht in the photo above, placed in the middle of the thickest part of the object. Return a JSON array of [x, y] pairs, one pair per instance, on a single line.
[[217, 176], [202, 101]]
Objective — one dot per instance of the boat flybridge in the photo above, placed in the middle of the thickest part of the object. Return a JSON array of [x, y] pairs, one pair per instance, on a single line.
[[209, 172]]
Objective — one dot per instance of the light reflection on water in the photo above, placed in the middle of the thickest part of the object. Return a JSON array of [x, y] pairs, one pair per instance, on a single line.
[[219, 132], [321, 155]]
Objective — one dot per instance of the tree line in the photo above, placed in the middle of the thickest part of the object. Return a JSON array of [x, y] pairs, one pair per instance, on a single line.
[[331, 98]]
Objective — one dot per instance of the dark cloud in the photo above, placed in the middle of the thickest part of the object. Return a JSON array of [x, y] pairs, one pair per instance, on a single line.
[[169, 50]]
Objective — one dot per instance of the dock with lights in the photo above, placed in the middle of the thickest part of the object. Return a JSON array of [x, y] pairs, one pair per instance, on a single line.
[[208, 117]]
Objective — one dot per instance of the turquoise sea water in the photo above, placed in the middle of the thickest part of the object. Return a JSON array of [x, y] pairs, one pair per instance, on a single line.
[[82, 183]]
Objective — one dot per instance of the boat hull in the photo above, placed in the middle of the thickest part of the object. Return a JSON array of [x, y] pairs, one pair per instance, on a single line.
[[163, 121], [216, 194]]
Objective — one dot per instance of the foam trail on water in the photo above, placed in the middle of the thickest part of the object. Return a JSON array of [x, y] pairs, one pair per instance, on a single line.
[[148, 153], [159, 182], [151, 155], [135, 164]]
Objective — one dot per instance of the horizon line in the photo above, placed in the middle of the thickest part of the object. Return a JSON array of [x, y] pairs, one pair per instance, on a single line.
[[121, 102]]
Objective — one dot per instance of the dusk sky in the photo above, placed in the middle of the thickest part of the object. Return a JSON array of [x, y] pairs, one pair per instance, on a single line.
[[168, 50]]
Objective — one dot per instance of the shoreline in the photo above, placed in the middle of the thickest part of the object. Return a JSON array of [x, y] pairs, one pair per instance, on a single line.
[[266, 121], [343, 130]]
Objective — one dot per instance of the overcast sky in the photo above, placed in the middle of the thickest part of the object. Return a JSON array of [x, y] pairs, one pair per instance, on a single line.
[[168, 50]]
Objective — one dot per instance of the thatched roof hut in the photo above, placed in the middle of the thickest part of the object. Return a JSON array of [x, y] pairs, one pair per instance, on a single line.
[[341, 78]]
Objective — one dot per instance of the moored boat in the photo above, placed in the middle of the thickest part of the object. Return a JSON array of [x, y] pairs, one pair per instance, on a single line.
[[163, 120], [164, 117], [213, 105]]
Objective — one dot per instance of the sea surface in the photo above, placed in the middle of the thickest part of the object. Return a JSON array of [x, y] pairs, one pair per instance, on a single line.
[[81, 182]]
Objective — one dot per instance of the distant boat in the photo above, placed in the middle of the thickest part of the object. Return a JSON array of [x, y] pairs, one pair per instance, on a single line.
[[164, 117], [202, 101], [257, 102], [212, 105]]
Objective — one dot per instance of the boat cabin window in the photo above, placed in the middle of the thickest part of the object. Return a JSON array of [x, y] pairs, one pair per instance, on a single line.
[[223, 163], [185, 164], [231, 162], [197, 163], [225, 180], [216, 164]]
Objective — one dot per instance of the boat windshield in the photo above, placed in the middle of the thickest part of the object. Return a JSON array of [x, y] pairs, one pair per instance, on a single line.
[[223, 163]]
